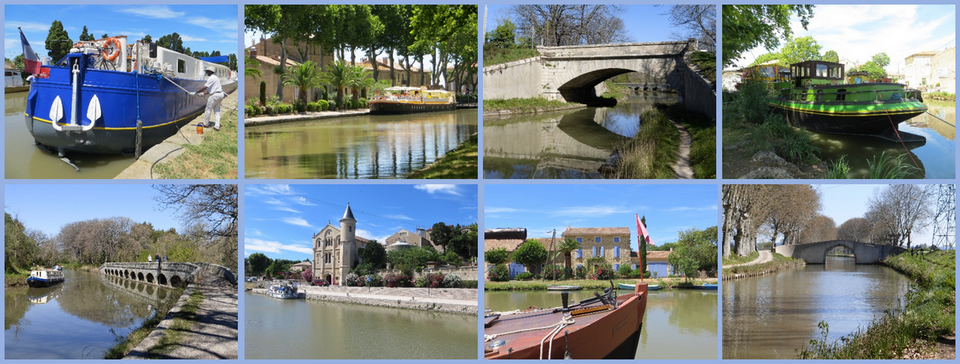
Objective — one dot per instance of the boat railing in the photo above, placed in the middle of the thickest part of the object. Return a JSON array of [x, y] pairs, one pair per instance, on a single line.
[[841, 94]]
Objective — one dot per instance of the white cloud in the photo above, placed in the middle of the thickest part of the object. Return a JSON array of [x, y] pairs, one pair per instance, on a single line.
[[297, 221], [303, 201], [26, 26], [253, 244], [438, 188], [215, 24], [398, 217], [369, 235], [495, 210], [154, 11], [187, 38], [269, 190], [287, 209]]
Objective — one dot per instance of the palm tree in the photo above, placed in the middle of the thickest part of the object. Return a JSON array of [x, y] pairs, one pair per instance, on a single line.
[[303, 77], [359, 80], [338, 76], [566, 247], [251, 69]]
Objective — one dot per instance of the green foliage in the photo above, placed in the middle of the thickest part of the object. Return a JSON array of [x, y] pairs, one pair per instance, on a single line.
[[374, 254], [263, 93], [838, 169], [58, 42], [799, 50], [748, 26], [499, 273], [524, 276], [412, 259], [323, 105], [20, 250], [303, 76], [374, 280], [831, 56], [503, 36], [696, 250], [581, 272], [452, 258], [707, 63], [496, 256], [767, 57], [451, 281], [602, 272], [890, 167], [625, 270], [553, 272], [421, 282], [751, 101], [531, 253], [172, 42]]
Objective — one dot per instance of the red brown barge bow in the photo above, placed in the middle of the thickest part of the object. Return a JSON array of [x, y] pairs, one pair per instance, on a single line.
[[601, 327]]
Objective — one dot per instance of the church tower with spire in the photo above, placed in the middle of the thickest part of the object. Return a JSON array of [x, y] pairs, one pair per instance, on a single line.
[[348, 240]]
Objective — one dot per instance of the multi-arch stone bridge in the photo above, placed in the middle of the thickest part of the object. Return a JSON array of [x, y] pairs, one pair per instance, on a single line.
[[572, 73], [164, 274], [816, 253]]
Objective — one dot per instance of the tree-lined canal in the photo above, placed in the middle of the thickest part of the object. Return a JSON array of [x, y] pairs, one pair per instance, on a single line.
[[79, 319], [573, 144], [774, 316], [675, 320], [366, 146], [309, 329]]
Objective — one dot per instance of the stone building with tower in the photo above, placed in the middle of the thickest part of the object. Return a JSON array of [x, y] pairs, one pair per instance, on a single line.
[[335, 249]]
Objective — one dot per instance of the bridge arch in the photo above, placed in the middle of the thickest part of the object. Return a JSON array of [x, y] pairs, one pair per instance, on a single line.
[[162, 279], [140, 276], [816, 253]]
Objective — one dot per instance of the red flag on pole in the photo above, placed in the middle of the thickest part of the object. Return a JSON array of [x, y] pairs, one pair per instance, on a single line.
[[31, 63], [642, 232]]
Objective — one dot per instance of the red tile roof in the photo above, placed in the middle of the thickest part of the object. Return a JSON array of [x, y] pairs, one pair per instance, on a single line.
[[509, 244]]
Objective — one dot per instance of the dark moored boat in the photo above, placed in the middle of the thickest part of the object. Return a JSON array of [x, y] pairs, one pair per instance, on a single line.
[[817, 98], [606, 326]]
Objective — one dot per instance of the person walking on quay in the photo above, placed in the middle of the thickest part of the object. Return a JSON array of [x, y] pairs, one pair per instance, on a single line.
[[212, 87]]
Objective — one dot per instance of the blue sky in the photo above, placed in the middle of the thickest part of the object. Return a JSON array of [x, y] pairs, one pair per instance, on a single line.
[[844, 202], [542, 208], [857, 32], [280, 220], [47, 207], [644, 23], [202, 28]]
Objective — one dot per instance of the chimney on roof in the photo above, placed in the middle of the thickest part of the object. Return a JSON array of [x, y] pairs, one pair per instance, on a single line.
[[253, 52]]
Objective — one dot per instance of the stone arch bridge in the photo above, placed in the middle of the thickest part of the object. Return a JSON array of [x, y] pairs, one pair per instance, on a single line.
[[165, 274], [572, 73], [816, 253]]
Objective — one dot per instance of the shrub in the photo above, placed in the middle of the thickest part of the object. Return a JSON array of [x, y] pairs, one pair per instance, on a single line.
[[525, 276], [363, 102], [625, 271], [469, 284], [271, 110], [263, 93], [553, 272], [435, 279], [404, 280], [374, 280], [322, 105], [390, 280], [451, 281], [299, 105], [351, 279], [603, 272], [452, 258], [581, 272], [499, 273], [496, 256], [421, 282]]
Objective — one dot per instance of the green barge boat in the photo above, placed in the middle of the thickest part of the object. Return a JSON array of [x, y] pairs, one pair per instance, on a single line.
[[817, 98]]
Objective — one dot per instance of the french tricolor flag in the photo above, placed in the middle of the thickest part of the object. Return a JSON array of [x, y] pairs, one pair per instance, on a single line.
[[31, 63]]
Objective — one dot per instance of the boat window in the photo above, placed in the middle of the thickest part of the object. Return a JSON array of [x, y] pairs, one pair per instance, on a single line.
[[181, 66], [822, 70], [841, 94]]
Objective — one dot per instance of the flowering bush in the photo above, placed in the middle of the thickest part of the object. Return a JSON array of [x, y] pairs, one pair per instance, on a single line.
[[451, 281], [435, 279], [390, 280], [374, 280], [404, 280], [581, 272], [553, 271], [351, 279], [603, 272], [422, 282], [499, 273]]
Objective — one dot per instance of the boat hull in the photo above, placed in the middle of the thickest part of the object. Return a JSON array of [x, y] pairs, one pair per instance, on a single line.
[[611, 335], [877, 118], [42, 282], [388, 107], [163, 110]]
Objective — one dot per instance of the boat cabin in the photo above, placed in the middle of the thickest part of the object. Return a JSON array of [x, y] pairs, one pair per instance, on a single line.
[[769, 73], [816, 73]]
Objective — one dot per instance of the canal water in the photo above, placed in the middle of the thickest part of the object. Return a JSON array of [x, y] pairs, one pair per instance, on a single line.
[[366, 146], [774, 316], [81, 318], [562, 145], [678, 324], [936, 157], [309, 329], [24, 160]]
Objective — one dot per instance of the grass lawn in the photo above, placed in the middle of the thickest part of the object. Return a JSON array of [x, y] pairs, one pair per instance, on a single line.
[[459, 163], [214, 158]]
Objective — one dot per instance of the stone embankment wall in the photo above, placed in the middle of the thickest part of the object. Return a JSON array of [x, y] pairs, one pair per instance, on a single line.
[[465, 273], [698, 94], [452, 300], [517, 79]]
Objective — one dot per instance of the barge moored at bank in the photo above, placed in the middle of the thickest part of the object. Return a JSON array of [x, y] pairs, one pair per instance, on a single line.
[[407, 100]]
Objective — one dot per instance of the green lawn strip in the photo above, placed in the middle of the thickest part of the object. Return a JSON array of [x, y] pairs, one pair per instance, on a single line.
[[214, 158], [494, 56], [909, 332], [778, 263], [524, 105], [736, 259], [587, 284], [703, 131], [707, 62], [459, 163], [121, 349], [183, 321], [653, 151]]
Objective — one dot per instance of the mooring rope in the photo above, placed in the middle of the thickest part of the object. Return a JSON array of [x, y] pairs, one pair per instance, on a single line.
[[562, 321], [938, 118], [895, 131]]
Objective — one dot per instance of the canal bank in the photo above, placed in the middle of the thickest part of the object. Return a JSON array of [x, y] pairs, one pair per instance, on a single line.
[[208, 330], [450, 300], [310, 115]]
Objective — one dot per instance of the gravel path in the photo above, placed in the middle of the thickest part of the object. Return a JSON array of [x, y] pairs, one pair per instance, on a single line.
[[681, 169], [765, 256]]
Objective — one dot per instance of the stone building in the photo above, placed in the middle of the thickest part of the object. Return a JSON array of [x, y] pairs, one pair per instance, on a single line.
[[335, 250], [610, 243], [932, 70], [408, 239], [300, 267]]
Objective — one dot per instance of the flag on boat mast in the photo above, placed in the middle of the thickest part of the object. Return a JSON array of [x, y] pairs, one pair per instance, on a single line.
[[31, 63], [642, 232]]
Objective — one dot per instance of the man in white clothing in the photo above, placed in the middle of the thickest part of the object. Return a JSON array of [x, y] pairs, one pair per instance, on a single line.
[[212, 87]]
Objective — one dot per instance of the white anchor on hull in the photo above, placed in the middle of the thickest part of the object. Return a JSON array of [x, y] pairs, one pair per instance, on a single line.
[[94, 112], [56, 113]]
